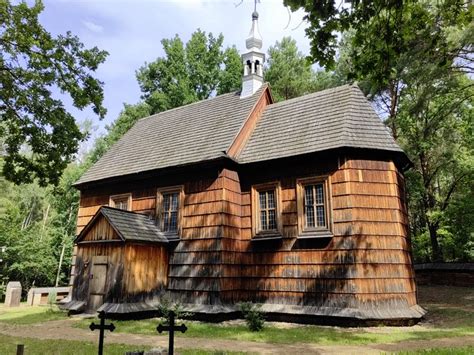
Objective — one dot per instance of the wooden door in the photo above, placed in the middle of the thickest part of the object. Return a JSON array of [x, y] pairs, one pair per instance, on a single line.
[[97, 282]]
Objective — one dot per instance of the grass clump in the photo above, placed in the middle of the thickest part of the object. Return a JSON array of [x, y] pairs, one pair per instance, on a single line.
[[253, 316]]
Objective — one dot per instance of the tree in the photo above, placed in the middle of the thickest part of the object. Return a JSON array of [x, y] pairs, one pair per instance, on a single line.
[[288, 71], [40, 136], [436, 132], [413, 58], [189, 73]]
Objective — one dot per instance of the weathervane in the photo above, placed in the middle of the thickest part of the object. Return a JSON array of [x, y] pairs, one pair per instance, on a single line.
[[254, 5]]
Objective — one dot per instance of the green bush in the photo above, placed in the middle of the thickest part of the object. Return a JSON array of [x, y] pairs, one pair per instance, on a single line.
[[166, 306], [253, 316], [52, 297]]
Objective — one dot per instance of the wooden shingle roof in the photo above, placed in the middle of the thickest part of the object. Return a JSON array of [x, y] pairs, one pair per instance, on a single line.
[[328, 119], [130, 226], [189, 134], [205, 130]]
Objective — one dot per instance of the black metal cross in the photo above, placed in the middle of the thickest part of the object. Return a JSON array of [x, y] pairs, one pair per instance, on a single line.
[[171, 328], [102, 326]]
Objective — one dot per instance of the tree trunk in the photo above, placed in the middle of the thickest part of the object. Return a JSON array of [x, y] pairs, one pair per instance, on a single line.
[[60, 264], [435, 248]]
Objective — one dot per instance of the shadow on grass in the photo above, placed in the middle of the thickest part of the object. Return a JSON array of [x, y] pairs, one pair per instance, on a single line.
[[299, 334]]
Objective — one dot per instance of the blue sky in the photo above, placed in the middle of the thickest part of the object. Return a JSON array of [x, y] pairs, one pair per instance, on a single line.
[[131, 32]]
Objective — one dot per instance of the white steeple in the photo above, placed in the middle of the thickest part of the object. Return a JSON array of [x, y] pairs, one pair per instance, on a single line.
[[253, 60]]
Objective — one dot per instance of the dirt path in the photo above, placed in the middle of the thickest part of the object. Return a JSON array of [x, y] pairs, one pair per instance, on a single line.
[[63, 329]]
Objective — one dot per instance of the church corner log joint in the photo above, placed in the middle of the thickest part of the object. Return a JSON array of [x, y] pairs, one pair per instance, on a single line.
[[297, 205]]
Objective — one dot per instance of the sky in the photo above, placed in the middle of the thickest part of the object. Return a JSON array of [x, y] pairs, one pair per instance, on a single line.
[[131, 31]]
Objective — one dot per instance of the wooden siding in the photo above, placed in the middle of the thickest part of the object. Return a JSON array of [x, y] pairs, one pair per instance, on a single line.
[[101, 231], [134, 272], [366, 263], [367, 259]]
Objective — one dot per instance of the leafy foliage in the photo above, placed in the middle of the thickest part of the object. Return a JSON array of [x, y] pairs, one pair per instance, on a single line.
[[415, 60], [253, 316], [190, 72], [290, 73], [166, 306], [40, 136], [35, 225]]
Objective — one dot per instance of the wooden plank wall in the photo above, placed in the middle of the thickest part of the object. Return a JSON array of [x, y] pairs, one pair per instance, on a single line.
[[195, 271], [135, 272], [145, 271], [101, 230], [367, 260]]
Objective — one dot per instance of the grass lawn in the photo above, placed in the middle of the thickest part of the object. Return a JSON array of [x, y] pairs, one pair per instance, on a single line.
[[468, 350], [451, 314], [68, 347], [301, 334], [29, 315], [60, 347]]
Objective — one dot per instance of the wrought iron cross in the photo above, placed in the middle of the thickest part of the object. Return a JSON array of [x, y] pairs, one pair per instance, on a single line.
[[102, 326], [171, 328], [255, 5]]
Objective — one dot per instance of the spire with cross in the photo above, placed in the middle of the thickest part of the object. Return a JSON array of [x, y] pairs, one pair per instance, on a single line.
[[253, 59]]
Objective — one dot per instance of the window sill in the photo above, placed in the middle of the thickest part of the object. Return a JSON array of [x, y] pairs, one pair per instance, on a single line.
[[261, 236], [310, 234]]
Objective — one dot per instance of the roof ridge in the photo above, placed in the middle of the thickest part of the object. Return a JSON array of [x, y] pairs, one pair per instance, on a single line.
[[190, 104], [311, 95], [263, 89]]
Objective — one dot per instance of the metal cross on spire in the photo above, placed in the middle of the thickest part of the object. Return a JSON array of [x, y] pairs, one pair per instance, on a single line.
[[255, 5]]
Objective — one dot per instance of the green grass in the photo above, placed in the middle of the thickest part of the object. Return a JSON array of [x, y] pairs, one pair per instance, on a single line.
[[59, 347], [70, 347], [300, 334], [30, 315], [467, 350]]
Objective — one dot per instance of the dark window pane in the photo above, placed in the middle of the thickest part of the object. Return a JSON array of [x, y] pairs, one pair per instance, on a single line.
[[271, 199], [271, 219], [166, 202], [320, 216], [309, 211], [173, 222], [308, 192], [263, 220], [174, 202], [263, 200], [319, 193], [166, 219]]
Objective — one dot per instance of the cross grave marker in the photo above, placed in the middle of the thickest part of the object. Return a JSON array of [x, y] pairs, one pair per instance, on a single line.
[[102, 326], [171, 328]]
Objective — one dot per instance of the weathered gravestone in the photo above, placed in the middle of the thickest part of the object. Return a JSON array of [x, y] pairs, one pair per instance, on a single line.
[[13, 294]]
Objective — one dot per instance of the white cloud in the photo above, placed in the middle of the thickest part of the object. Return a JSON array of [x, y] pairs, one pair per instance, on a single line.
[[93, 27]]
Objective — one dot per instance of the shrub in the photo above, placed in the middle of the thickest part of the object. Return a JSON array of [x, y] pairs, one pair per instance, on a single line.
[[166, 306], [52, 296], [253, 316]]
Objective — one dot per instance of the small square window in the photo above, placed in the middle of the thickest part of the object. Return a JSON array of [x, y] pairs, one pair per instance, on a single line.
[[122, 202]]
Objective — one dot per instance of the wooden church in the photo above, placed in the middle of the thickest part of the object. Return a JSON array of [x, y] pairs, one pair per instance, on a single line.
[[297, 205]]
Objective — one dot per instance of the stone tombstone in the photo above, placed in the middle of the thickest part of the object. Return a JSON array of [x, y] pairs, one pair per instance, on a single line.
[[13, 294]]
